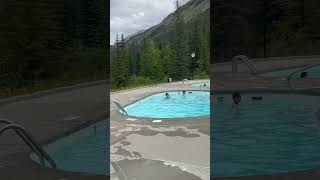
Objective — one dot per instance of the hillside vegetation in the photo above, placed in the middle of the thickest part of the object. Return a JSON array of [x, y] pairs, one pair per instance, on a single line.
[[164, 51], [266, 28], [50, 43]]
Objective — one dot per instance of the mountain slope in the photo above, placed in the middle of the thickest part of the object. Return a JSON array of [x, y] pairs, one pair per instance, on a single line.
[[194, 10], [195, 13]]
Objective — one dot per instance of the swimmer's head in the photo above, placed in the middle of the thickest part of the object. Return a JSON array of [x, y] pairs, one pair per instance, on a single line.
[[236, 97], [304, 74]]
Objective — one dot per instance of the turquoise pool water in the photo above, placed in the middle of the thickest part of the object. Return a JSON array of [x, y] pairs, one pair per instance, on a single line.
[[312, 73], [85, 151], [280, 133], [202, 84], [192, 104]]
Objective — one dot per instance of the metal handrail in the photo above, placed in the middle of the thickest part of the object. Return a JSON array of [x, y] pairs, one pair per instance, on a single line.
[[249, 63], [5, 121], [299, 70], [119, 106], [246, 60], [27, 138]]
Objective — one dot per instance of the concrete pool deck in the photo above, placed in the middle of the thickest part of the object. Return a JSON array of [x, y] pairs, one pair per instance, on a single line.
[[47, 116], [268, 64], [223, 80], [155, 148]]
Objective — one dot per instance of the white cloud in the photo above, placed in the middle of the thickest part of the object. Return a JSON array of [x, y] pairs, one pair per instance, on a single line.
[[130, 16]]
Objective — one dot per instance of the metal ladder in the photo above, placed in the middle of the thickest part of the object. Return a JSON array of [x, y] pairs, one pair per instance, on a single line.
[[246, 60], [297, 71], [119, 106], [29, 140]]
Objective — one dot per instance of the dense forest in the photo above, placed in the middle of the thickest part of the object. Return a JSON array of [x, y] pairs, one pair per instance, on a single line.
[[265, 28], [50, 43], [165, 51]]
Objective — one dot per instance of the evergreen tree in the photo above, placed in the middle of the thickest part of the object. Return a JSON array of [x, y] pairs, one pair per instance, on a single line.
[[179, 68], [120, 72], [204, 55], [152, 65], [168, 57]]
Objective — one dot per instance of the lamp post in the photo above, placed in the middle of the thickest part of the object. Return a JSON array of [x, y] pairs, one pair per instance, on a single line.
[[193, 55]]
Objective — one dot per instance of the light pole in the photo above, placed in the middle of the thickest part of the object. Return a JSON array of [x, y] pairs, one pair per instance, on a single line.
[[193, 55]]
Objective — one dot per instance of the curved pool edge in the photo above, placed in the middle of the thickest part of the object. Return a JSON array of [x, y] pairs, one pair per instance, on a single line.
[[67, 133], [77, 128], [158, 92], [154, 93], [281, 69], [189, 82], [169, 121]]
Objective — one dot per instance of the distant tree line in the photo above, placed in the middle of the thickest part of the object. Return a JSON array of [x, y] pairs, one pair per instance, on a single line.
[[265, 28], [49, 43], [164, 54]]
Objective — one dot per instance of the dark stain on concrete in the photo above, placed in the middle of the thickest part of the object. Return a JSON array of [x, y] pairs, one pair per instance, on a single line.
[[123, 152], [125, 143], [148, 132], [136, 154]]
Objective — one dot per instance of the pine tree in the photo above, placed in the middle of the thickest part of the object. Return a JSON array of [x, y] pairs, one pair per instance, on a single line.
[[115, 64], [124, 59], [152, 65], [204, 55], [120, 71], [168, 56], [180, 65]]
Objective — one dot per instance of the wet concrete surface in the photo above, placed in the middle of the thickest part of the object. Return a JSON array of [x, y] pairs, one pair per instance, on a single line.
[[268, 64], [148, 169], [159, 148]]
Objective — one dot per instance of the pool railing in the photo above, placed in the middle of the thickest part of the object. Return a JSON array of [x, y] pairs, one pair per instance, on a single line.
[[246, 60], [119, 106], [29, 140]]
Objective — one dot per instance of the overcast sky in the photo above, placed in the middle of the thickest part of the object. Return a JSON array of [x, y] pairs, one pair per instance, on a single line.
[[130, 16]]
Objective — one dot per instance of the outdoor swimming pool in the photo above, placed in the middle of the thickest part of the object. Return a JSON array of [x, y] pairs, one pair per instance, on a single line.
[[84, 151], [203, 84], [192, 104], [312, 73], [280, 133]]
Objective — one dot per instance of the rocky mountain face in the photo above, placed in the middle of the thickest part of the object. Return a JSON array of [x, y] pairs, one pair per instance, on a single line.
[[194, 10]]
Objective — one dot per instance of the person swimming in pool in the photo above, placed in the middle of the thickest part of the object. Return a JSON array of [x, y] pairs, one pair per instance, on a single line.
[[304, 75], [236, 97], [167, 95], [183, 92]]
